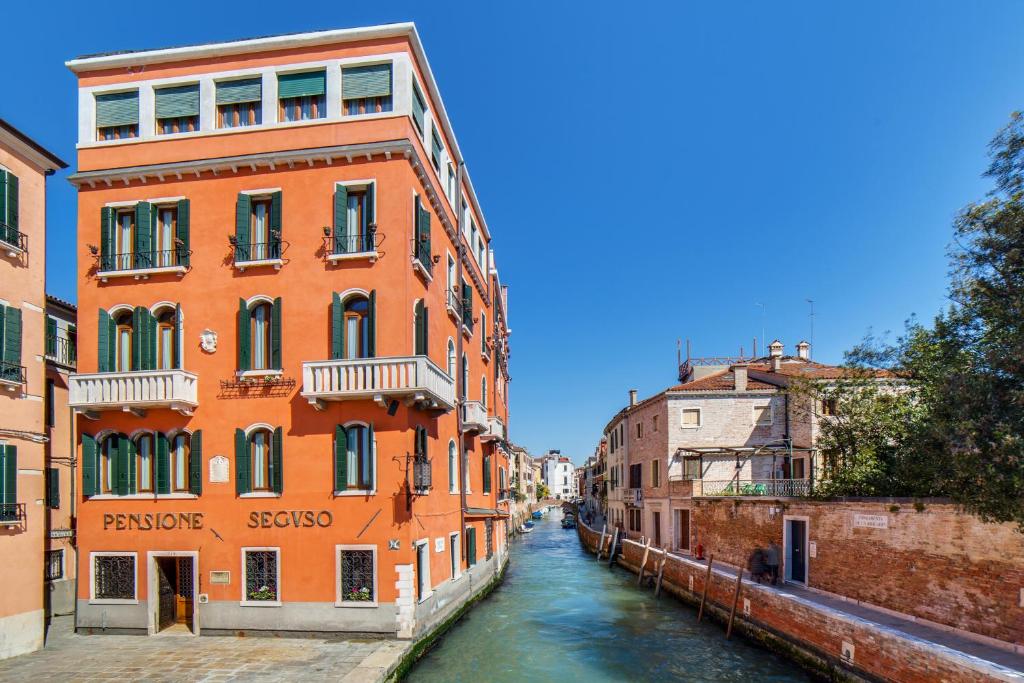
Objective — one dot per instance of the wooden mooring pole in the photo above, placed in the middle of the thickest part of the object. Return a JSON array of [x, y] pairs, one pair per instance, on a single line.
[[611, 549], [735, 599], [643, 562], [661, 572], [707, 582]]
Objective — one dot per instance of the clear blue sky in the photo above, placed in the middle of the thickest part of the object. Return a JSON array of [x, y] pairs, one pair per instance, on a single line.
[[650, 171]]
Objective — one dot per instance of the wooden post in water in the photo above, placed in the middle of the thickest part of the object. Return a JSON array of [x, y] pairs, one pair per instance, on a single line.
[[611, 548], [661, 572], [643, 562], [707, 581], [600, 545], [735, 599]]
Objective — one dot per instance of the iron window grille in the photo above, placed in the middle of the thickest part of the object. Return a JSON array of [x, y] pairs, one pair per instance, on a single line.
[[54, 568], [261, 575], [422, 473], [10, 235], [115, 577], [357, 580]]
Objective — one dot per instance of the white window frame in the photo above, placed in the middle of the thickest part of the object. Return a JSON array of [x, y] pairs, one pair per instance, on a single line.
[[245, 602], [771, 414], [373, 462], [454, 535], [338, 601], [429, 590], [363, 184], [453, 477], [700, 417], [93, 600]]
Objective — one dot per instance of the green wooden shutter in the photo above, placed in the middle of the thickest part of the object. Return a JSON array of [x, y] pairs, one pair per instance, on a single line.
[[370, 208], [51, 336], [177, 102], [163, 463], [12, 336], [52, 487], [471, 546], [307, 84], [144, 217], [274, 249], [371, 444], [244, 345], [195, 463], [133, 452], [177, 337], [337, 326], [275, 334], [487, 474], [9, 472], [277, 476], [90, 481], [140, 336], [371, 335], [417, 106], [340, 219], [420, 327], [107, 221], [12, 200], [182, 233], [149, 320], [425, 232], [242, 465], [467, 305], [121, 466], [359, 82], [243, 214], [340, 458], [3, 196]]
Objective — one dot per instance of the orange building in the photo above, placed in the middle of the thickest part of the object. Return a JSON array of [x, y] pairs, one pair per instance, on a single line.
[[24, 166], [293, 342]]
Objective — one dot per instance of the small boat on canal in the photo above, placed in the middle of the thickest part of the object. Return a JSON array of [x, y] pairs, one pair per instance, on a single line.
[[537, 514], [569, 522]]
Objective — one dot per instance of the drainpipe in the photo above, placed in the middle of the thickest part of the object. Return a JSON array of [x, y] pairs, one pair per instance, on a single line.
[[459, 389], [74, 537]]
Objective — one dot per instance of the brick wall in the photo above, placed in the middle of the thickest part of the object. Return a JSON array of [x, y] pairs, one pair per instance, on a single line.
[[934, 564]]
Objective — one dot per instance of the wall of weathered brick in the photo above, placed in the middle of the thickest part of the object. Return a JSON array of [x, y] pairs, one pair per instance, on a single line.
[[933, 563]]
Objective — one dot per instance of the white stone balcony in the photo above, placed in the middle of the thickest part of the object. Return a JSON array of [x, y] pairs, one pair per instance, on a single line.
[[495, 429], [416, 380], [474, 417], [134, 392]]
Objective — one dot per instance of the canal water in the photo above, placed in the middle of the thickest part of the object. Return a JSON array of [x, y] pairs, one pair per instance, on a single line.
[[560, 615]]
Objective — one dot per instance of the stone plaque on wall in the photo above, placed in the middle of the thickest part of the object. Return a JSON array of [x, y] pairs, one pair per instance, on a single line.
[[871, 521], [218, 469]]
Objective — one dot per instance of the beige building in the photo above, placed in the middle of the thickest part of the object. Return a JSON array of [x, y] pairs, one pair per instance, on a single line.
[[24, 167]]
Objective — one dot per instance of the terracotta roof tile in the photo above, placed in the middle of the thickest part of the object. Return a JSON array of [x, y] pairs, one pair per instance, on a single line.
[[721, 381]]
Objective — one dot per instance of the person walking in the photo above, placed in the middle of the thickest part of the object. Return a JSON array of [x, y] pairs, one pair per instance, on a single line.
[[756, 565], [771, 561]]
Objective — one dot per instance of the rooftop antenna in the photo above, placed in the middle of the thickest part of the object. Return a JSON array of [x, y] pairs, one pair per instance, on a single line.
[[755, 348], [679, 352], [811, 302], [764, 313]]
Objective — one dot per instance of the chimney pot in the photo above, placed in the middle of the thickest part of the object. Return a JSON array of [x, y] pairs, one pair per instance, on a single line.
[[632, 397], [739, 376], [775, 349], [803, 350]]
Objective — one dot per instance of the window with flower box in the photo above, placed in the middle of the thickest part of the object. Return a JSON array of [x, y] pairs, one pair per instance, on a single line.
[[262, 576], [357, 575]]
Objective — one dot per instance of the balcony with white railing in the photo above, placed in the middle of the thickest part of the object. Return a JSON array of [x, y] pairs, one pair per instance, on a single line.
[[495, 429], [134, 392], [416, 380], [474, 417]]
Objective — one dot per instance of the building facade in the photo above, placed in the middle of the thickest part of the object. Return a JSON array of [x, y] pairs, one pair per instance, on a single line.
[[24, 167], [294, 359], [559, 476]]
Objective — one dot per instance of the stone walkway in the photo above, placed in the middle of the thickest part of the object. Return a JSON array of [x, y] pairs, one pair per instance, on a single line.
[[69, 656]]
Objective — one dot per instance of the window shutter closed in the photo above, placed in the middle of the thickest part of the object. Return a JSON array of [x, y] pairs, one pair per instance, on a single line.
[[308, 84], [372, 445], [371, 332], [487, 474], [51, 336], [177, 102], [89, 469], [275, 334], [123, 472], [243, 212], [471, 546], [52, 487], [340, 458], [107, 220], [340, 219], [366, 81], [467, 305], [420, 325], [277, 475], [144, 217], [12, 200], [183, 249], [244, 362], [337, 326], [242, 465], [435, 143], [236, 92], [417, 106], [163, 464], [12, 336], [117, 109], [195, 463], [9, 473]]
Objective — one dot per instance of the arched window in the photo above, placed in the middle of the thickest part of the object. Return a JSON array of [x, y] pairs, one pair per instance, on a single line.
[[166, 340], [259, 326], [261, 459], [465, 376], [259, 334], [181, 453], [123, 342], [420, 328], [453, 467], [109, 456], [144, 459], [357, 327], [451, 358], [483, 391]]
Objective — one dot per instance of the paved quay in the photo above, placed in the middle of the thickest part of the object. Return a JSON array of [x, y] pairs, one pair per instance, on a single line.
[[70, 656]]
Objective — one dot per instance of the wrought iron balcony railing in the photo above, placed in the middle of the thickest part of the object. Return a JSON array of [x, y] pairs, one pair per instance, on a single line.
[[421, 255], [12, 373], [792, 488], [129, 262], [453, 304], [12, 239], [61, 350], [12, 513], [340, 246], [257, 251]]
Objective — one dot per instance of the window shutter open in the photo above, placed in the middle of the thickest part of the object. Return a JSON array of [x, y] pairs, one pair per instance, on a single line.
[[177, 337], [242, 465], [107, 220], [340, 458], [277, 483], [163, 463], [275, 334], [12, 335], [51, 336], [237, 92], [182, 234], [275, 223], [371, 332], [89, 469], [487, 474], [117, 109], [3, 196], [337, 326], [244, 362], [359, 82], [308, 84], [370, 194], [340, 219], [144, 218], [12, 200], [420, 325], [243, 212], [372, 445], [177, 102], [417, 106], [104, 340], [122, 466], [195, 463]]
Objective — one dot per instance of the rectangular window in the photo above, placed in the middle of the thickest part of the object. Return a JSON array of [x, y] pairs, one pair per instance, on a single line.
[[302, 96], [240, 103], [655, 421], [9, 483], [470, 546], [54, 568], [9, 196], [451, 184], [435, 149], [50, 407], [639, 430], [357, 575], [829, 406], [177, 109], [117, 115], [418, 107], [656, 473], [262, 576], [366, 89], [453, 554], [114, 577], [690, 418], [763, 415], [423, 571], [691, 468], [52, 487], [635, 476]]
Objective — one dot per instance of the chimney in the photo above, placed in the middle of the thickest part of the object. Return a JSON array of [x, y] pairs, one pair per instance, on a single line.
[[775, 349], [739, 375], [632, 397], [803, 350]]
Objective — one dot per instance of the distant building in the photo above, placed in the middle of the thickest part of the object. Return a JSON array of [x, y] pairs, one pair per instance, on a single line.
[[557, 472]]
